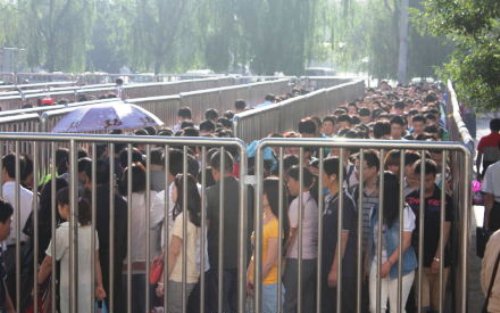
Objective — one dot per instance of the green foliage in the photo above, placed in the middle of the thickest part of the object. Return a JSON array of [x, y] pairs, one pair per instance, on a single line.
[[474, 27]]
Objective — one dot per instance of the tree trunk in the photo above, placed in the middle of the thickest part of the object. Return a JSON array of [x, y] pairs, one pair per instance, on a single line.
[[403, 42]]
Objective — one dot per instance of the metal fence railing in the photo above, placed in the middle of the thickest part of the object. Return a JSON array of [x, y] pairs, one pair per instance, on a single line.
[[260, 122]]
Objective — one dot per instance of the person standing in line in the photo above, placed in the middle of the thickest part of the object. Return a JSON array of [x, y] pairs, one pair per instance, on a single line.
[[6, 212], [175, 252], [491, 190], [85, 299], [309, 241], [332, 247], [390, 245], [270, 243], [488, 148]]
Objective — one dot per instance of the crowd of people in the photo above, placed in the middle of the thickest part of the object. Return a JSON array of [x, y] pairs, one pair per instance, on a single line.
[[400, 113]]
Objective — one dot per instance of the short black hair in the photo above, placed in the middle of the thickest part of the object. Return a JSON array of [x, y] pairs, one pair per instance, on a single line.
[[330, 118], [411, 157], [364, 112], [207, 126], [138, 179], [9, 164], [184, 112], [331, 166], [381, 129], [371, 158], [215, 161], [240, 104], [344, 118], [398, 120], [399, 105], [307, 126], [418, 118], [430, 167], [495, 125], [211, 114], [6, 211]]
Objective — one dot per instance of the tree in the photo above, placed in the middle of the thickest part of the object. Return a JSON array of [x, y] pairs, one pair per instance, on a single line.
[[474, 26]]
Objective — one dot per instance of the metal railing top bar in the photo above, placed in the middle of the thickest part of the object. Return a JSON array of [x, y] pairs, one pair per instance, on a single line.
[[55, 137], [455, 112], [17, 118], [219, 89], [151, 99], [365, 144], [38, 85]]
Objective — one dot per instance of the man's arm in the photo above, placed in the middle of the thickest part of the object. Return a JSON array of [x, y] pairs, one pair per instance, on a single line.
[[489, 200]]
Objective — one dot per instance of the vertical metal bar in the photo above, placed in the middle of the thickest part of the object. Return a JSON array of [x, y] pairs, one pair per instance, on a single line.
[[441, 231], [36, 242], [73, 226], [220, 272], [148, 222], [359, 268], [185, 217], [279, 308], [421, 219], [300, 237], [243, 231], [129, 228], [93, 223], [464, 230], [378, 306], [401, 221], [320, 232], [339, 229], [166, 226], [203, 227], [258, 230], [53, 210], [112, 238], [17, 195]]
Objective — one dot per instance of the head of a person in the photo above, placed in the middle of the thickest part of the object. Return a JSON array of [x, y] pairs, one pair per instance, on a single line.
[[85, 172], [212, 115], [271, 200], [418, 124], [370, 166], [191, 194], [390, 205], [240, 105], [365, 115], [293, 180], [430, 171], [63, 201], [399, 108], [307, 128], [62, 160], [392, 161], [352, 108], [138, 173], [495, 125], [397, 127], [27, 171], [9, 166], [184, 113], [6, 211], [207, 127], [410, 158], [270, 98], [331, 169], [381, 130], [218, 171], [329, 125], [344, 122]]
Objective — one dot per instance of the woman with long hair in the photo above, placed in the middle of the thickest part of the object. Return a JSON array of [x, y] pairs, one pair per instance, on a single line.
[[176, 243], [390, 245], [270, 243]]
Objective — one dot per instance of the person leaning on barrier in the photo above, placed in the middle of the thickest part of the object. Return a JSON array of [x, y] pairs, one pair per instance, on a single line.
[[431, 237], [390, 245], [6, 211], [490, 276], [271, 279], [332, 247]]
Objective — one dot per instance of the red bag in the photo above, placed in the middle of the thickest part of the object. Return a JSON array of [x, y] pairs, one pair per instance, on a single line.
[[155, 271]]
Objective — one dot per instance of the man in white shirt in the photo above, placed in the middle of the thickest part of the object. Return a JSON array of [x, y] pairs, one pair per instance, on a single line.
[[491, 190], [23, 208]]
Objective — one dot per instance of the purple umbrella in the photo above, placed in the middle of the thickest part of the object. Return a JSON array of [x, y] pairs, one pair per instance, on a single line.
[[106, 117]]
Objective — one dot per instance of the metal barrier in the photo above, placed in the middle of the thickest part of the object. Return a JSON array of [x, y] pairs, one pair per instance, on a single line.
[[128, 221], [461, 211], [259, 123], [44, 86], [320, 82], [130, 91], [223, 99]]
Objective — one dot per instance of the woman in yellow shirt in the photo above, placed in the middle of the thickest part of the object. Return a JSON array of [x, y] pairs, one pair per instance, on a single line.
[[270, 243]]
